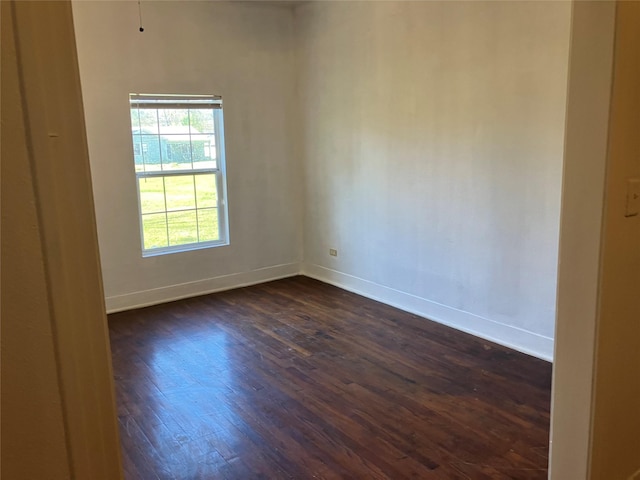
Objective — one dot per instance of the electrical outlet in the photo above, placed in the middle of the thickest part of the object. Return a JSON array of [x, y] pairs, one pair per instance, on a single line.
[[333, 252]]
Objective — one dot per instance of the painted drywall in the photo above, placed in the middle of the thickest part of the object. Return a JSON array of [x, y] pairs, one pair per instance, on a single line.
[[583, 190], [242, 52], [32, 417], [616, 409], [432, 142], [58, 406]]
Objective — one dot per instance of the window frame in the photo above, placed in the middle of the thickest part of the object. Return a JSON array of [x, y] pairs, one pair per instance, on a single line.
[[207, 102]]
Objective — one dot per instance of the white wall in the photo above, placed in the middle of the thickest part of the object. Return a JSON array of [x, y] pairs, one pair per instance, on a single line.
[[583, 194], [242, 52], [432, 141], [428, 136]]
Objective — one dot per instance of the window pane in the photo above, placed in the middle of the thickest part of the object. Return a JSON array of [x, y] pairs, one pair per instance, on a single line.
[[137, 153], [205, 164], [208, 224], [204, 151], [148, 120], [183, 227], [206, 191], [173, 121], [135, 120], [180, 193], [176, 153], [154, 230], [150, 150], [151, 195], [201, 120]]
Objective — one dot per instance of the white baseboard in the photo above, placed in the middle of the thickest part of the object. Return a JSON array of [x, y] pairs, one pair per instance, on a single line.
[[145, 298], [512, 337]]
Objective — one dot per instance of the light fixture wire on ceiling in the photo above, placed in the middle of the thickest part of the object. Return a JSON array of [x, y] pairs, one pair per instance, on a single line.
[[140, 16]]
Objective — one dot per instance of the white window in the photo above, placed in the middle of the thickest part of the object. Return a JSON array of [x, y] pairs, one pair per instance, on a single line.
[[178, 152]]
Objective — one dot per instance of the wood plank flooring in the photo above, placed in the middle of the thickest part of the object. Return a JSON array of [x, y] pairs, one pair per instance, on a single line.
[[299, 379]]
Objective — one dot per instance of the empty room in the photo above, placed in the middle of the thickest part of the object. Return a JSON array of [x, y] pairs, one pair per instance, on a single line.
[[322, 239]]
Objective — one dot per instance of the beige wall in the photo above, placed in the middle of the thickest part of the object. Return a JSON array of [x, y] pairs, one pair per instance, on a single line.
[[616, 409], [432, 142], [33, 433], [240, 51], [58, 408]]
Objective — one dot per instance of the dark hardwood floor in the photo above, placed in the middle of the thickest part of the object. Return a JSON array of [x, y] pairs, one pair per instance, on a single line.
[[299, 379]]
